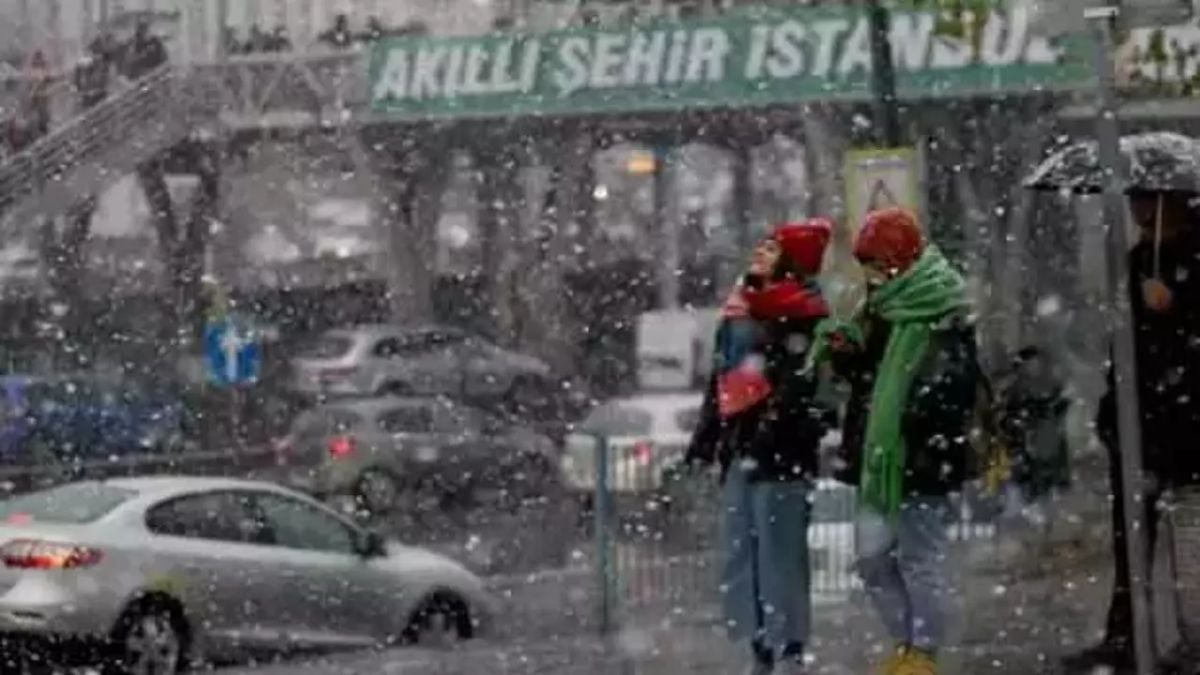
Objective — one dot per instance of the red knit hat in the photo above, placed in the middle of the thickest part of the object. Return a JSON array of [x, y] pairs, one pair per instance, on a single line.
[[890, 236], [804, 243]]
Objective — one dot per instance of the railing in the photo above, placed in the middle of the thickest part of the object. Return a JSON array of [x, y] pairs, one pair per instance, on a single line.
[[248, 462], [114, 121], [657, 547], [60, 93]]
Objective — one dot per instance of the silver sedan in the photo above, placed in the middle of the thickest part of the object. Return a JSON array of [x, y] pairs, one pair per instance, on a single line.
[[150, 574]]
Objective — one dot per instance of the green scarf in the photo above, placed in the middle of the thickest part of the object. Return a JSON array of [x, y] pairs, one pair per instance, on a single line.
[[913, 303]]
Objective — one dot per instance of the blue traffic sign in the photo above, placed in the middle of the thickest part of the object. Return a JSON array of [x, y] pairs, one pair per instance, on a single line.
[[234, 356]]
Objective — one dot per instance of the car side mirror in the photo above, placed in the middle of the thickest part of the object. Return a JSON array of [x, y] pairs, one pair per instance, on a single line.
[[372, 545]]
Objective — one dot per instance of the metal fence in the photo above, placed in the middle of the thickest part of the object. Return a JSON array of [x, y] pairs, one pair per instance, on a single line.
[[1184, 518], [46, 471], [657, 533]]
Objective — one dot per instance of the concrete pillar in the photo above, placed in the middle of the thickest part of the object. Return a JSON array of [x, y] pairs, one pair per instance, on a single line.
[[411, 167], [63, 248], [500, 203], [666, 224], [744, 235], [567, 210], [183, 244]]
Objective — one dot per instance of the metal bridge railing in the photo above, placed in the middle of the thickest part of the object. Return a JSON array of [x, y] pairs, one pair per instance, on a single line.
[[657, 534], [116, 121]]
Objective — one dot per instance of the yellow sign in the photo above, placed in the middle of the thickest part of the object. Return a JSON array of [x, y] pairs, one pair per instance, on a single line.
[[880, 178]]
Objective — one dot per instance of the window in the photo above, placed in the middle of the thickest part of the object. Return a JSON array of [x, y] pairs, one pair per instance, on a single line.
[[312, 425], [296, 524], [220, 516], [326, 347], [408, 419], [344, 421], [388, 348], [75, 503], [417, 343], [321, 423], [618, 420], [439, 339]]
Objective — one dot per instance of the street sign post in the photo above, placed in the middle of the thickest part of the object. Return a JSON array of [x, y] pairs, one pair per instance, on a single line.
[[1129, 423], [878, 178], [234, 358], [232, 353]]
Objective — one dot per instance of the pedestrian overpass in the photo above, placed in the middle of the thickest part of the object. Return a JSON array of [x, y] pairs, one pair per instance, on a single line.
[[138, 125]]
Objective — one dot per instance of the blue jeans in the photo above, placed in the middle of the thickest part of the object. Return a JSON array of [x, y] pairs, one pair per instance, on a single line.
[[902, 562], [765, 576]]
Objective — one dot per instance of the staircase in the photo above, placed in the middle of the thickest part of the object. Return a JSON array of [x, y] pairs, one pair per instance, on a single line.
[[89, 153]]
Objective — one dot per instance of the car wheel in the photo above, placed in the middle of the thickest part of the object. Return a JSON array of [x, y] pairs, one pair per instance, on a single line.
[[442, 619], [377, 491], [150, 639]]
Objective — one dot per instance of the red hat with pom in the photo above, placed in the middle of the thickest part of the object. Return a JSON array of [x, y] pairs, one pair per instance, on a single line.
[[890, 236], [804, 243]]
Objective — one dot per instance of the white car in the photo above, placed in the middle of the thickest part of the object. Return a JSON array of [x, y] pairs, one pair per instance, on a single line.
[[154, 573], [646, 435]]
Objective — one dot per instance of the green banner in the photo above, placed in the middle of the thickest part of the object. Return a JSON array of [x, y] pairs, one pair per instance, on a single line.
[[753, 57]]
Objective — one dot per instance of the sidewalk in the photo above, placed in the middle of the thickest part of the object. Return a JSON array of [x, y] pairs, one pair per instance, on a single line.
[[1006, 624]]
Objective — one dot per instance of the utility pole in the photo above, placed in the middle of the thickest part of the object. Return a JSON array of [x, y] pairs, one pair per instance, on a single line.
[[1101, 20], [883, 76], [222, 46]]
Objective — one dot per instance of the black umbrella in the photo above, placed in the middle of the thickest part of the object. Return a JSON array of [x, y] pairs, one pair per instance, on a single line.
[[1156, 162]]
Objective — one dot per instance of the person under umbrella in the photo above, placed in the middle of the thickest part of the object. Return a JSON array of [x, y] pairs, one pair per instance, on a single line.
[[1164, 288], [1164, 283]]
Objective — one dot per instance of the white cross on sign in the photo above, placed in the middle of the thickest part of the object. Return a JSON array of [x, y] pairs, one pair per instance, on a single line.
[[232, 343]]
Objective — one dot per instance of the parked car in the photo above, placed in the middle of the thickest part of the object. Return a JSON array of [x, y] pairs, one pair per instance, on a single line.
[[415, 453], [646, 434], [374, 360], [160, 572], [85, 416]]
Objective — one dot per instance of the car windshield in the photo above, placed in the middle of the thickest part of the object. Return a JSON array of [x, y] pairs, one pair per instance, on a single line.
[[322, 422], [326, 347], [76, 503], [407, 419], [617, 419]]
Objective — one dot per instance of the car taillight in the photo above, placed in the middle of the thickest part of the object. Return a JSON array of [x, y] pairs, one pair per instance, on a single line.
[[30, 554], [341, 446], [643, 452], [328, 374]]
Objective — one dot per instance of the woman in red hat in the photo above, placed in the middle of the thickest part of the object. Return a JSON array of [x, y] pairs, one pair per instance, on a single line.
[[760, 425], [911, 363]]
